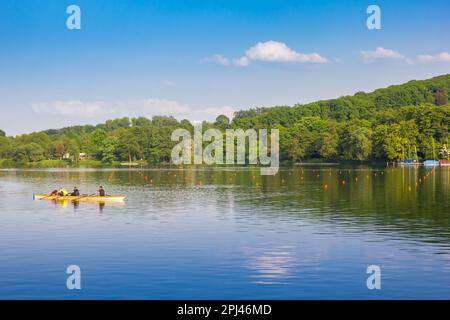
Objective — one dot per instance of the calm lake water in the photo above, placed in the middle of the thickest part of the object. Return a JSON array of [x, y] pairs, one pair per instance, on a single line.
[[308, 232]]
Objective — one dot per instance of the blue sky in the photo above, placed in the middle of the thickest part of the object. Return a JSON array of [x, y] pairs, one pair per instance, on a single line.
[[196, 59]]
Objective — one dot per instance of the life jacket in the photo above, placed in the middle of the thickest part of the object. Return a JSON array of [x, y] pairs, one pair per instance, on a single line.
[[63, 192]]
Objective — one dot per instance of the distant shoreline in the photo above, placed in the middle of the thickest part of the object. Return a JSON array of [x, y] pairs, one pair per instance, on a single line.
[[62, 164]]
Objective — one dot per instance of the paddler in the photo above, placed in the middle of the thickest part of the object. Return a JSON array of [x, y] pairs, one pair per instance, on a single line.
[[101, 191], [75, 192], [62, 192]]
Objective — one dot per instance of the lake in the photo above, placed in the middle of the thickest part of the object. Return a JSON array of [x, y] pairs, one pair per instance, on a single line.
[[311, 231]]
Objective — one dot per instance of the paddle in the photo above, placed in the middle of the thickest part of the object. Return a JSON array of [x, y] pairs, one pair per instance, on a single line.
[[50, 195], [83, 196]]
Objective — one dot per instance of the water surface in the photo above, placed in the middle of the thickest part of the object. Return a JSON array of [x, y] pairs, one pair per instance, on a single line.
[[228, 233]]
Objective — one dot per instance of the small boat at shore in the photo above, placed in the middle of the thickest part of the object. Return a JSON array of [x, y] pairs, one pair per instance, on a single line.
[[444, 163], [87, 198], [409, 163], [434, 162], [431, 163]]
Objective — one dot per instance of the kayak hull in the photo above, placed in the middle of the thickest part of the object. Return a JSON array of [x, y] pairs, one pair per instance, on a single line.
[[80, 198]]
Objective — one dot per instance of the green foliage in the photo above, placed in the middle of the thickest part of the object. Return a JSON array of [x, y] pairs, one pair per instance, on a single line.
[[222, 122], [31, 152], [356, 142], [298, 142], [5, 147], [328, 144], [108, 148], [392, 123], [127, 147], [444, 152]]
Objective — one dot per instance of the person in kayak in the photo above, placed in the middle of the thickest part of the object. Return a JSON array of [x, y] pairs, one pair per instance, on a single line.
[[101, 191], [75, 192], [62, 192], [54, 192]]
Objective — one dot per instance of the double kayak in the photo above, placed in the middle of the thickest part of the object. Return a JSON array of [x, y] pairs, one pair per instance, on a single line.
[[80, 198]]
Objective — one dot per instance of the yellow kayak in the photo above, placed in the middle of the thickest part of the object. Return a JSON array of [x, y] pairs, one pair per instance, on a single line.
[[80, 198]]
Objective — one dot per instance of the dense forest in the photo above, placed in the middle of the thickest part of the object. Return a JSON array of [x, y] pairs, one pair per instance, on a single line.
[[392, 123]]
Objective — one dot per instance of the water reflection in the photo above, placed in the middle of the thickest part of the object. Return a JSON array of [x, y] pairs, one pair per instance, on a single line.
[[274, 266], [78, 204]]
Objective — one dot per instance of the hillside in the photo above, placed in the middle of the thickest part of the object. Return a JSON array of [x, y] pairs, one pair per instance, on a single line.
[[387, 123]]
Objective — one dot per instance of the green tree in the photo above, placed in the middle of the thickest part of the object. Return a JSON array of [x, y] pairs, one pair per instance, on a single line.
[[58, 149], [379, 136], [31, 152], [299, 142], [400, 140], [5, 147], [357, 143], [108, 149], [98, 138], [114, 124], [127, 147], [328, 144], [222, 122]]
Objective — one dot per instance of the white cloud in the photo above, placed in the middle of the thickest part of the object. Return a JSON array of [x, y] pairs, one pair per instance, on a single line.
[[131, 108], [382, 54], [274, 51], [269, 51], [217, 58], [72, 108], [241, 62], [439, 57]]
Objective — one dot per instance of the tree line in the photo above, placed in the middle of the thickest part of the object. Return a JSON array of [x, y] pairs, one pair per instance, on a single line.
[[392, 123]]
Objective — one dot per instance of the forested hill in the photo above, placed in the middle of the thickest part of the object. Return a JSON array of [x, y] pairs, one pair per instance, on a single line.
[[390, 123], [435, 91]]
